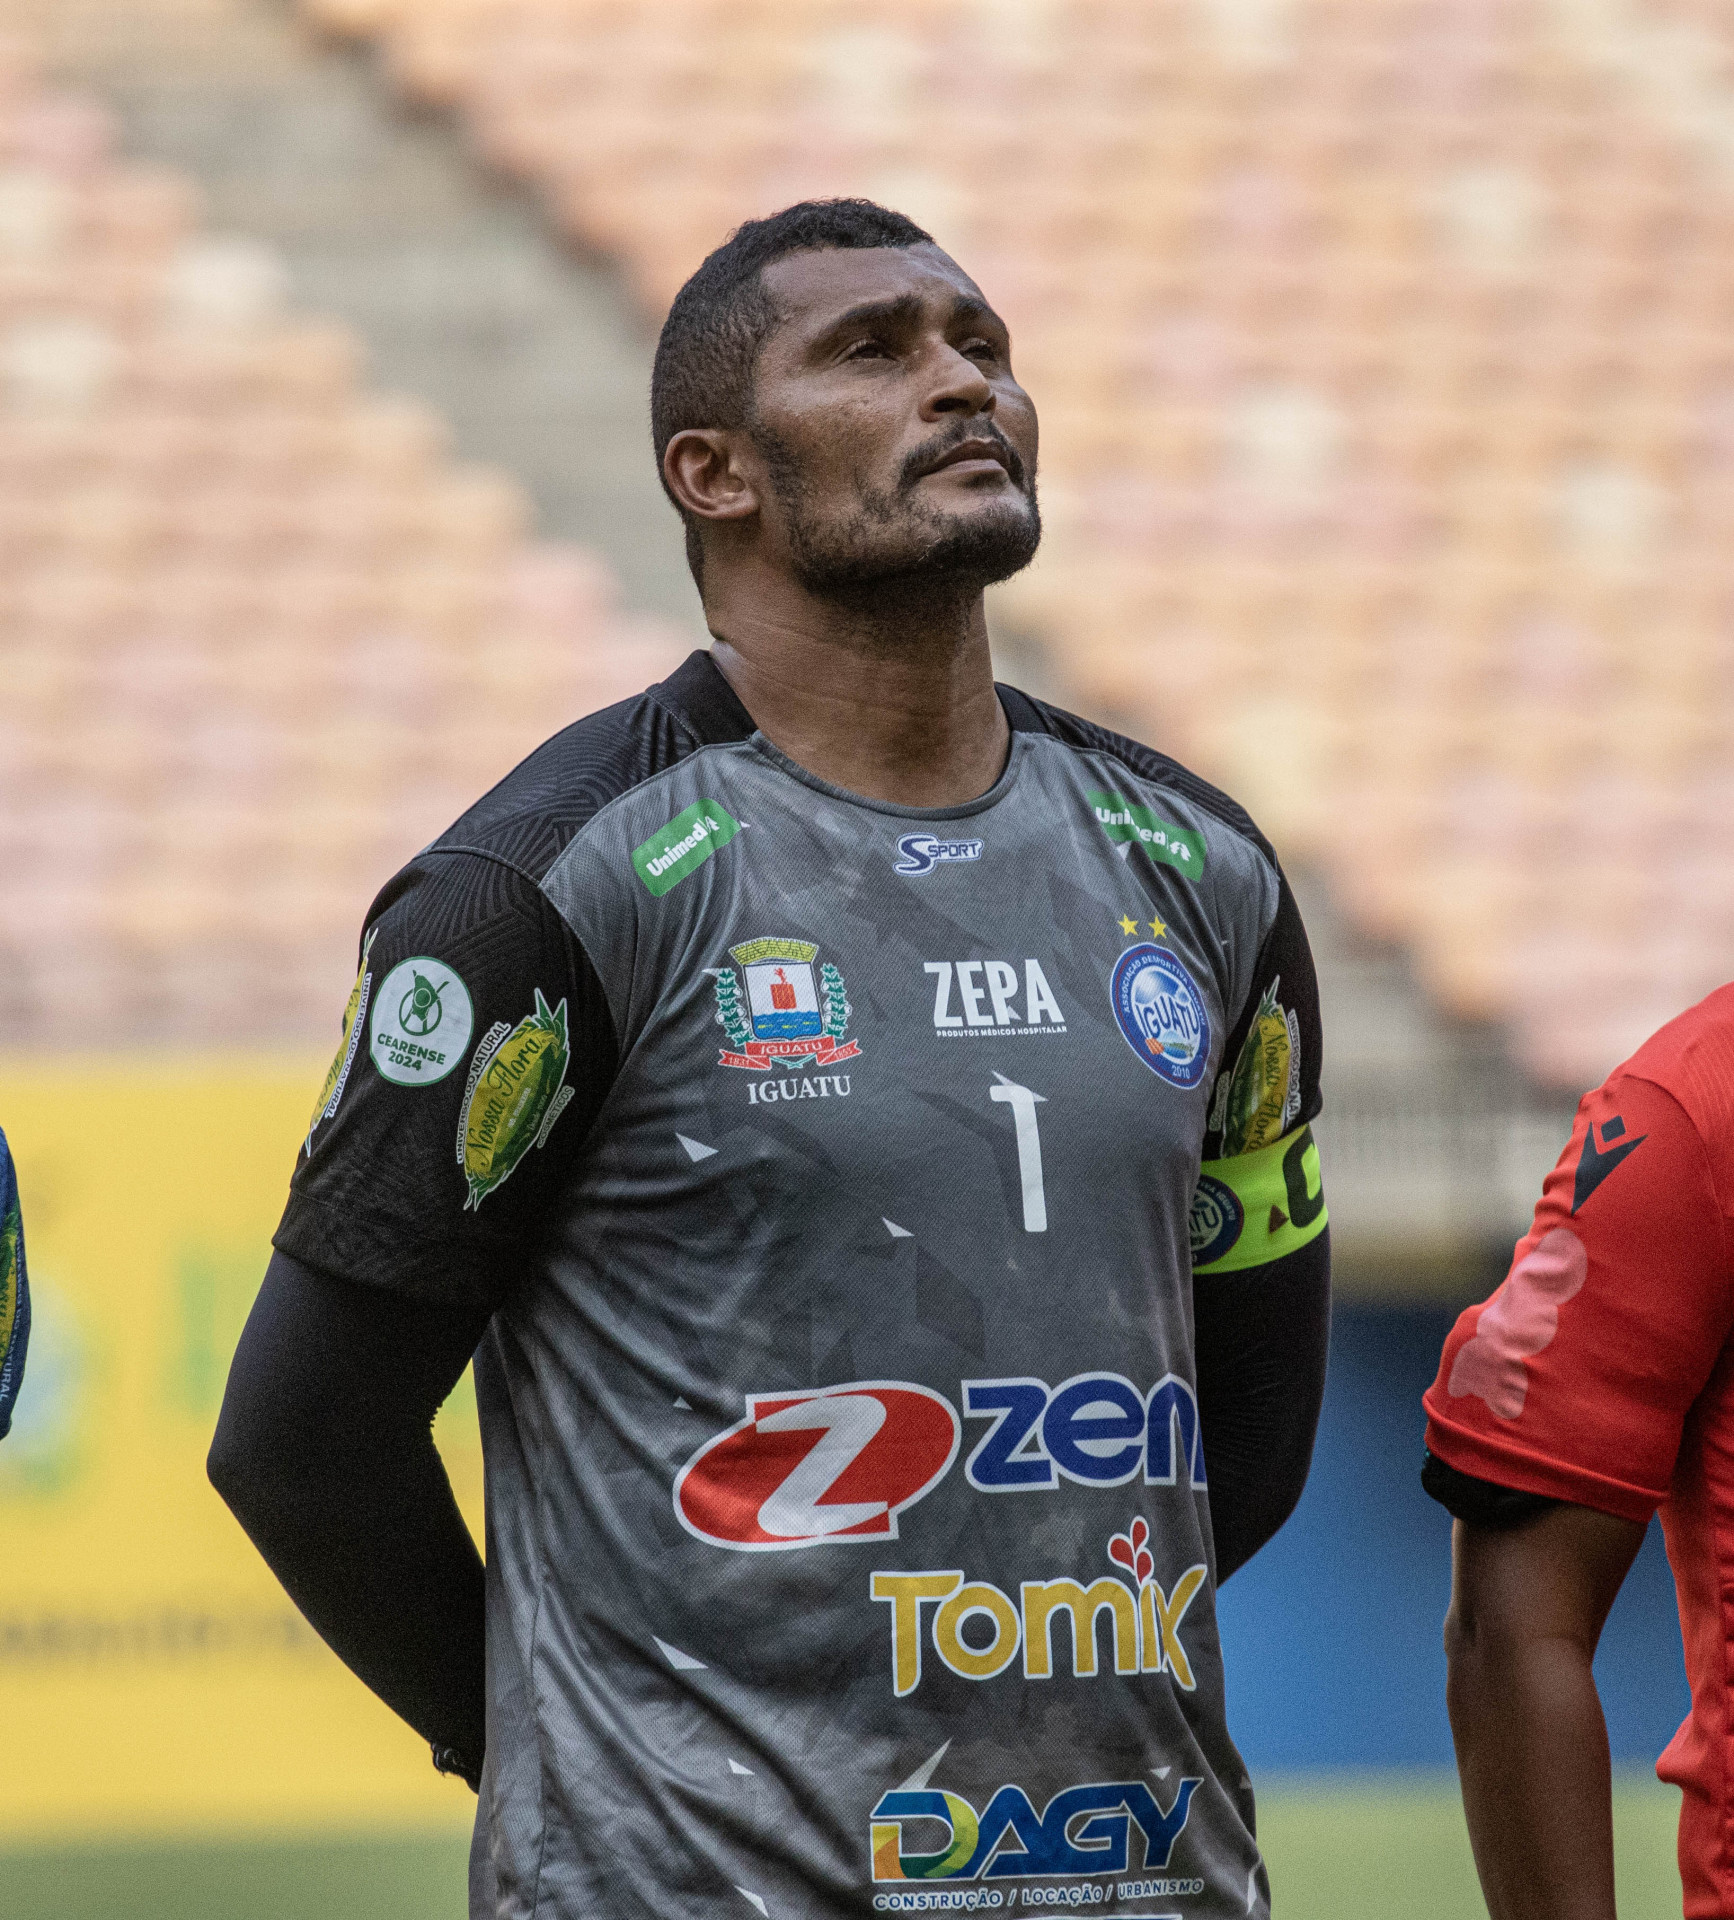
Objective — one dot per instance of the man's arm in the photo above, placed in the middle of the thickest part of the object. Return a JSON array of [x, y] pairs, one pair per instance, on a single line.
[[14, 1291], [417, 1203], [325, 1455], [1261, 1340], [1527, 1608], [1261, 1251]]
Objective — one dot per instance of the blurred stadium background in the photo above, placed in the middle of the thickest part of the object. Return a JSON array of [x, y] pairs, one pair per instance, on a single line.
[[1383, 357]]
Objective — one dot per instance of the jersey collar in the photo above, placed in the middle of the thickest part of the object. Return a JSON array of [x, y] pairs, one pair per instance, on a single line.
[[697, 691]]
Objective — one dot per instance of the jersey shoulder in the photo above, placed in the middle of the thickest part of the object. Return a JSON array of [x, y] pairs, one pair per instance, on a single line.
[[533, 814], [1692, 1058], [1029, 715]]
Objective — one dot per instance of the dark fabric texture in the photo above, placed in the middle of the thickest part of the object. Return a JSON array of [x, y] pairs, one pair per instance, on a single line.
[[1480, 1502], [359, 1202], [324, 1453], [1263, 1336]]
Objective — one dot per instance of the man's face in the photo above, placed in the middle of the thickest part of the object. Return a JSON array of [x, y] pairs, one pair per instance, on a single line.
[[897, 445]]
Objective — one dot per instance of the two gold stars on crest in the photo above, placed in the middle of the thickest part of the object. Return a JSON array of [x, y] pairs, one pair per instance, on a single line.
[[1129, 927]]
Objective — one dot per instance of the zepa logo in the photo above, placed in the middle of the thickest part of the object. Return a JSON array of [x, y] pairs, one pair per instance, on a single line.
[[1144, 1620], [987, 997], [1010, 1839], [836, 1464]]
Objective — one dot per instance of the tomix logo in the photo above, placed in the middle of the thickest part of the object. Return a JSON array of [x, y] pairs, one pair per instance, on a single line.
[[1144, 1620]]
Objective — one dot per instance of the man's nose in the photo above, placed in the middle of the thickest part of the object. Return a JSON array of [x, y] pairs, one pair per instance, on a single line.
[[960, 386]]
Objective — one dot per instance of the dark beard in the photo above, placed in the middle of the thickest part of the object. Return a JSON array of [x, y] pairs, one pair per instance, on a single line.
[[895, 552]]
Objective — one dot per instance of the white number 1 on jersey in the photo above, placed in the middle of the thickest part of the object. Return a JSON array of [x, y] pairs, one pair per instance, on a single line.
[[1023, 1105]]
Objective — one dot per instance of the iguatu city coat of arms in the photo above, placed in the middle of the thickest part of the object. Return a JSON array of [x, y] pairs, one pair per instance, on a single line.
[[777, 1008]]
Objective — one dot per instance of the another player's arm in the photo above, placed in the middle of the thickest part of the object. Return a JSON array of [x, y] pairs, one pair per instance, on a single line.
[[1553, 1432], [1261, 1295], [1527, 1607]]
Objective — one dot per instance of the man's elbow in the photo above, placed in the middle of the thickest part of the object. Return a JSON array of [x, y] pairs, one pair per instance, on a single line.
[[228, 1467], [1466, 1657], [1489, 1651], [240, 1467]]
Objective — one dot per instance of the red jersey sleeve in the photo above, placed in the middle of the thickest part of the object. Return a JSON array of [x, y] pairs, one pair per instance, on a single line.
[[1575, 1377]]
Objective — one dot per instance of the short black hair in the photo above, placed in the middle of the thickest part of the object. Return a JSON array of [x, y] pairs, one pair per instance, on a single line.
[[703, 375]]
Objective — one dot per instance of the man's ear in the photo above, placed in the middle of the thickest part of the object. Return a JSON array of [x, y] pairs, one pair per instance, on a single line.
[[708, 476]]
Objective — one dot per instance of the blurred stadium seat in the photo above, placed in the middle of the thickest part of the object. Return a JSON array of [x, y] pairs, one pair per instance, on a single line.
[[1387, 386], [263, 638]]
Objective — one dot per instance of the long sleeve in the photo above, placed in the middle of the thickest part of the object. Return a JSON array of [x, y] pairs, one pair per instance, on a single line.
[[1262, 1338], [324, 1453]]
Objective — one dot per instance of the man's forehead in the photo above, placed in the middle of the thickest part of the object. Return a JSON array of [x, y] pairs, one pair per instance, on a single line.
[[815, 287]]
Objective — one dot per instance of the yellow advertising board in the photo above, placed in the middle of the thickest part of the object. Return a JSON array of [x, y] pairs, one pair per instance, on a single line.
[[153, 1676]]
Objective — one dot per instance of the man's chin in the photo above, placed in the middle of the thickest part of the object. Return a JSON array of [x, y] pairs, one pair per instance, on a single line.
[[951, 553]]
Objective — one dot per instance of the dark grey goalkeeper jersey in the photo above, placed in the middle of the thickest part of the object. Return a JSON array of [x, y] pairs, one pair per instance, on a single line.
[[837, 1172]]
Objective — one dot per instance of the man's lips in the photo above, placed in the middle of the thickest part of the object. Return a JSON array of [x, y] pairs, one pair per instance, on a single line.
[[973, 456]]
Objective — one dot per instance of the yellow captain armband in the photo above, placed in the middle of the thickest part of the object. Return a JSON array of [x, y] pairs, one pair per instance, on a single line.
[[1256, 1207]]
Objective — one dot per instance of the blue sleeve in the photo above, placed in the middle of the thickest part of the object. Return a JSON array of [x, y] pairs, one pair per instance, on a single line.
[[14, 1290]]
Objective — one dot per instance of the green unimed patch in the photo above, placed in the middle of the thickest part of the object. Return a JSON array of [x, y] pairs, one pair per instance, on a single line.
[[1374, 1850], [1358, 1850]]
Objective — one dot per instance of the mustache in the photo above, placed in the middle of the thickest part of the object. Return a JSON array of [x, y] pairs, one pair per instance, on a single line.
[[917, 464]]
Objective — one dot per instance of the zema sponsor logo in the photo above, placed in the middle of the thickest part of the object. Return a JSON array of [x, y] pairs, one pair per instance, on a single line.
[[841, 1463], [802, 1469], [1134, 826], [987, 997], [684, 845], [1096, 1429], [1144, 1620], [920, 853], [920, 1833]]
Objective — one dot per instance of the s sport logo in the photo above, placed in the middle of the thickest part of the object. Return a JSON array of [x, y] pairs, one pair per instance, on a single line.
[[1162, 1014], [839, 1463], [922, 852], [1008, 1838]]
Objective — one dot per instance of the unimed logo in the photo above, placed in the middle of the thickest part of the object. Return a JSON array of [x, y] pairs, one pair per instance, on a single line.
[[684, 845]]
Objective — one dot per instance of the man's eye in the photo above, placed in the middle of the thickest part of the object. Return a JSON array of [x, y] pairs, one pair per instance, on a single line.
[[866, 350]]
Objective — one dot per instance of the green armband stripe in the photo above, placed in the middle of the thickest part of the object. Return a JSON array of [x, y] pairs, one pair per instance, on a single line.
[[1256, 1207]]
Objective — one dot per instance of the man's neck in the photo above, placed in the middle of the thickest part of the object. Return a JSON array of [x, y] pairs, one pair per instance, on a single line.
[[894, 704]]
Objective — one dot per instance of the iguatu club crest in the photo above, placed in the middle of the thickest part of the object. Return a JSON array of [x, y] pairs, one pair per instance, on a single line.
[[776, 1007]]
